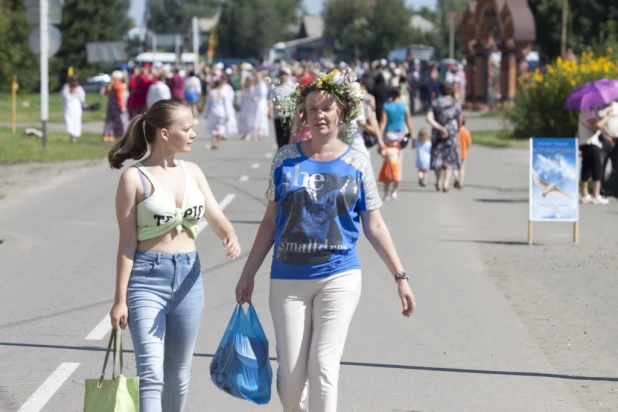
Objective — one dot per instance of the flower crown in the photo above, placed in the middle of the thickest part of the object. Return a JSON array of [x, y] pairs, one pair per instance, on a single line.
[[341, 84]]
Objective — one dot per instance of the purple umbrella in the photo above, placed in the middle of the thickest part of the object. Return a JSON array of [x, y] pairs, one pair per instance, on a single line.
[[592, 94]]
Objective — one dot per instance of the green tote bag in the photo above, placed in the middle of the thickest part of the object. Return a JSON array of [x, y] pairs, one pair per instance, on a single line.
[[120, 394]]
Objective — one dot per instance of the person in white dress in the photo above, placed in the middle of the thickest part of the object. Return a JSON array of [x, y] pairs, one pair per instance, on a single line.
[[216, 113], [247, 111], [259, 127], [74, 97], [228, 93], [193, 90]]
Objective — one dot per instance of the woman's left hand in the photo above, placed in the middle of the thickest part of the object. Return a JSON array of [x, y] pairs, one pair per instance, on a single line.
[[407, 297], [444, 132], [232, 246]]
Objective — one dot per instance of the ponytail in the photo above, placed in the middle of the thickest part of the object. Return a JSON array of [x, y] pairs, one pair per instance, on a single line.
[[133, 145], [142, 131]]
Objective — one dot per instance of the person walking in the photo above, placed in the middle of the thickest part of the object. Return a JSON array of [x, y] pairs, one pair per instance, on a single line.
[[319, 192], [259, 129], [465, 141], [589, 132], [177, 85], [193, 91], [283, 125], [246, 117], [395, 126], [159, 290], [231, 124], [423, 155], [116, 118], [391, 169], [73, 97], [216, 113], [158, 90], [445, 118]]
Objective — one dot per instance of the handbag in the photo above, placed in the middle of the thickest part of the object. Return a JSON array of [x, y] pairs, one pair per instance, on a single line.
[[370, 140], [241, 366], [404, 142], [120, 394]]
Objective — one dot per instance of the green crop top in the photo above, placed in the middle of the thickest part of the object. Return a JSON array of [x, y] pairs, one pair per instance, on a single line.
[[157, 214]]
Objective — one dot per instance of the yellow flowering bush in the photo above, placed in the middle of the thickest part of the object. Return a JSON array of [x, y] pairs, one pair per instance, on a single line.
[[538, 109]]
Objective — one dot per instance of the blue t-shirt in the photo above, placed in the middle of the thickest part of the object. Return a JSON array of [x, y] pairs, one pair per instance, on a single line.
[[318, 220], [395, 116]]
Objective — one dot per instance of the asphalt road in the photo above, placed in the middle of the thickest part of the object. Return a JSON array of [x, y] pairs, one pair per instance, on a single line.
[[475, 342]]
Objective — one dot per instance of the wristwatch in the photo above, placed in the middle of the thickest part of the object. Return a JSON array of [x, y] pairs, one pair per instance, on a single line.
[[402, 275]]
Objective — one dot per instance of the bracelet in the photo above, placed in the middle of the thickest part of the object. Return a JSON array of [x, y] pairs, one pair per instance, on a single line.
[[402, 275]]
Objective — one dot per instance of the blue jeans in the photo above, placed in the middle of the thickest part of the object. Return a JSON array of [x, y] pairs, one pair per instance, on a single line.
[[165, 298]]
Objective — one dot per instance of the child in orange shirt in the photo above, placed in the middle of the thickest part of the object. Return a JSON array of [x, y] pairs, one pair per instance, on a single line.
[[391, 169], [465, 140]]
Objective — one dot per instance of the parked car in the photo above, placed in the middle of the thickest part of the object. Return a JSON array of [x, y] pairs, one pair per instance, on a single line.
[[96, 84]]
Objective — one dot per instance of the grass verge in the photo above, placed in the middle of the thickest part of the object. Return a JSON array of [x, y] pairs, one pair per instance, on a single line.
[[16, 148], [29, 108], [498, 139]]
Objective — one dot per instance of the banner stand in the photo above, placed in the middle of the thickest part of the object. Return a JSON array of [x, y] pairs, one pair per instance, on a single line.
[[531, 233], [554, 183]]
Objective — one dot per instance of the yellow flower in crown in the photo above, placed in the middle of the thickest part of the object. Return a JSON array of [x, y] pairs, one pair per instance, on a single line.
[[319, 84]]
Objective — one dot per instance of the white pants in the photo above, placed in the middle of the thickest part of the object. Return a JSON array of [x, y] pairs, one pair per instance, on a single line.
[[311, 319]]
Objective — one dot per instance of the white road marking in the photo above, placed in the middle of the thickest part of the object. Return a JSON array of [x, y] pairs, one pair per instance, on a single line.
[[101, 329], [105, 325], [269, 155], [42, 395], [255, 166], [243, 178]]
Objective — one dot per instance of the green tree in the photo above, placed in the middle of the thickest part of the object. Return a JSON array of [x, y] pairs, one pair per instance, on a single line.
[[174, 16], [247, 27], [591, 23], [370, 28], [86, 21], [15, 56]]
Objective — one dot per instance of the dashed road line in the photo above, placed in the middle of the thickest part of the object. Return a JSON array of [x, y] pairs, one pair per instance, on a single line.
[[268, 155], [243, 178], [100, 330], [42, 395], [255, 166]]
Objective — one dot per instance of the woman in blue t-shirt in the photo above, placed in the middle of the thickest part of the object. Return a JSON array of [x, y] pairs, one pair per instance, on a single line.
[[319, 192], [396, 125]]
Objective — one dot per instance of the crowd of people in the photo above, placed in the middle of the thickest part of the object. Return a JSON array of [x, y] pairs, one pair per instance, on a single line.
[[241, 101]]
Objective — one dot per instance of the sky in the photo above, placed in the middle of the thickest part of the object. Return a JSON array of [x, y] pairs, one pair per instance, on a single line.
[[136, 12]]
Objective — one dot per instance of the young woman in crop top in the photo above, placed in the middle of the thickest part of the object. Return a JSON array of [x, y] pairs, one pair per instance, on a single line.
[[159, 290]]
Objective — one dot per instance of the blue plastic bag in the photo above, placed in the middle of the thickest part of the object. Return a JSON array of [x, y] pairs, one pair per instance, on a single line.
[[241, 366]]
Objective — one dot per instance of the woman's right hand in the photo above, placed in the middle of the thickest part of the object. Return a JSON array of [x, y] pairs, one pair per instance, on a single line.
[[119, 315], [244, 289]]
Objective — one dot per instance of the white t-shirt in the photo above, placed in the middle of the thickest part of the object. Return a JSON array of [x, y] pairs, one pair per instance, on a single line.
[[585, 132], [157, 91], [611, 127]]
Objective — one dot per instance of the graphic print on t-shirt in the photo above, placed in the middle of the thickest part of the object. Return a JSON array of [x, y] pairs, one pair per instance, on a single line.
[[311, 234]]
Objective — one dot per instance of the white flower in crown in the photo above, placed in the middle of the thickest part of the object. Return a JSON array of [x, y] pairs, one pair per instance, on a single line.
[[339, 78], [357, 91]]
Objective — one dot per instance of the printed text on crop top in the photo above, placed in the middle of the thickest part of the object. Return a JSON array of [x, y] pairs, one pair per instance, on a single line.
[[157, 214]]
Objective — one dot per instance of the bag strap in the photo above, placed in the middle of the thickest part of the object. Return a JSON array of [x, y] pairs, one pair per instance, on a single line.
[[116, 339], [112, 338], [118, 361]]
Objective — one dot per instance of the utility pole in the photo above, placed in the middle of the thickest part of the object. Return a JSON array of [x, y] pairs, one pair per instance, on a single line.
[[565, 20]]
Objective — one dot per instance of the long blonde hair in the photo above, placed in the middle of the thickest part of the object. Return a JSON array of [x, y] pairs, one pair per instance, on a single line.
[[142, 131]]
